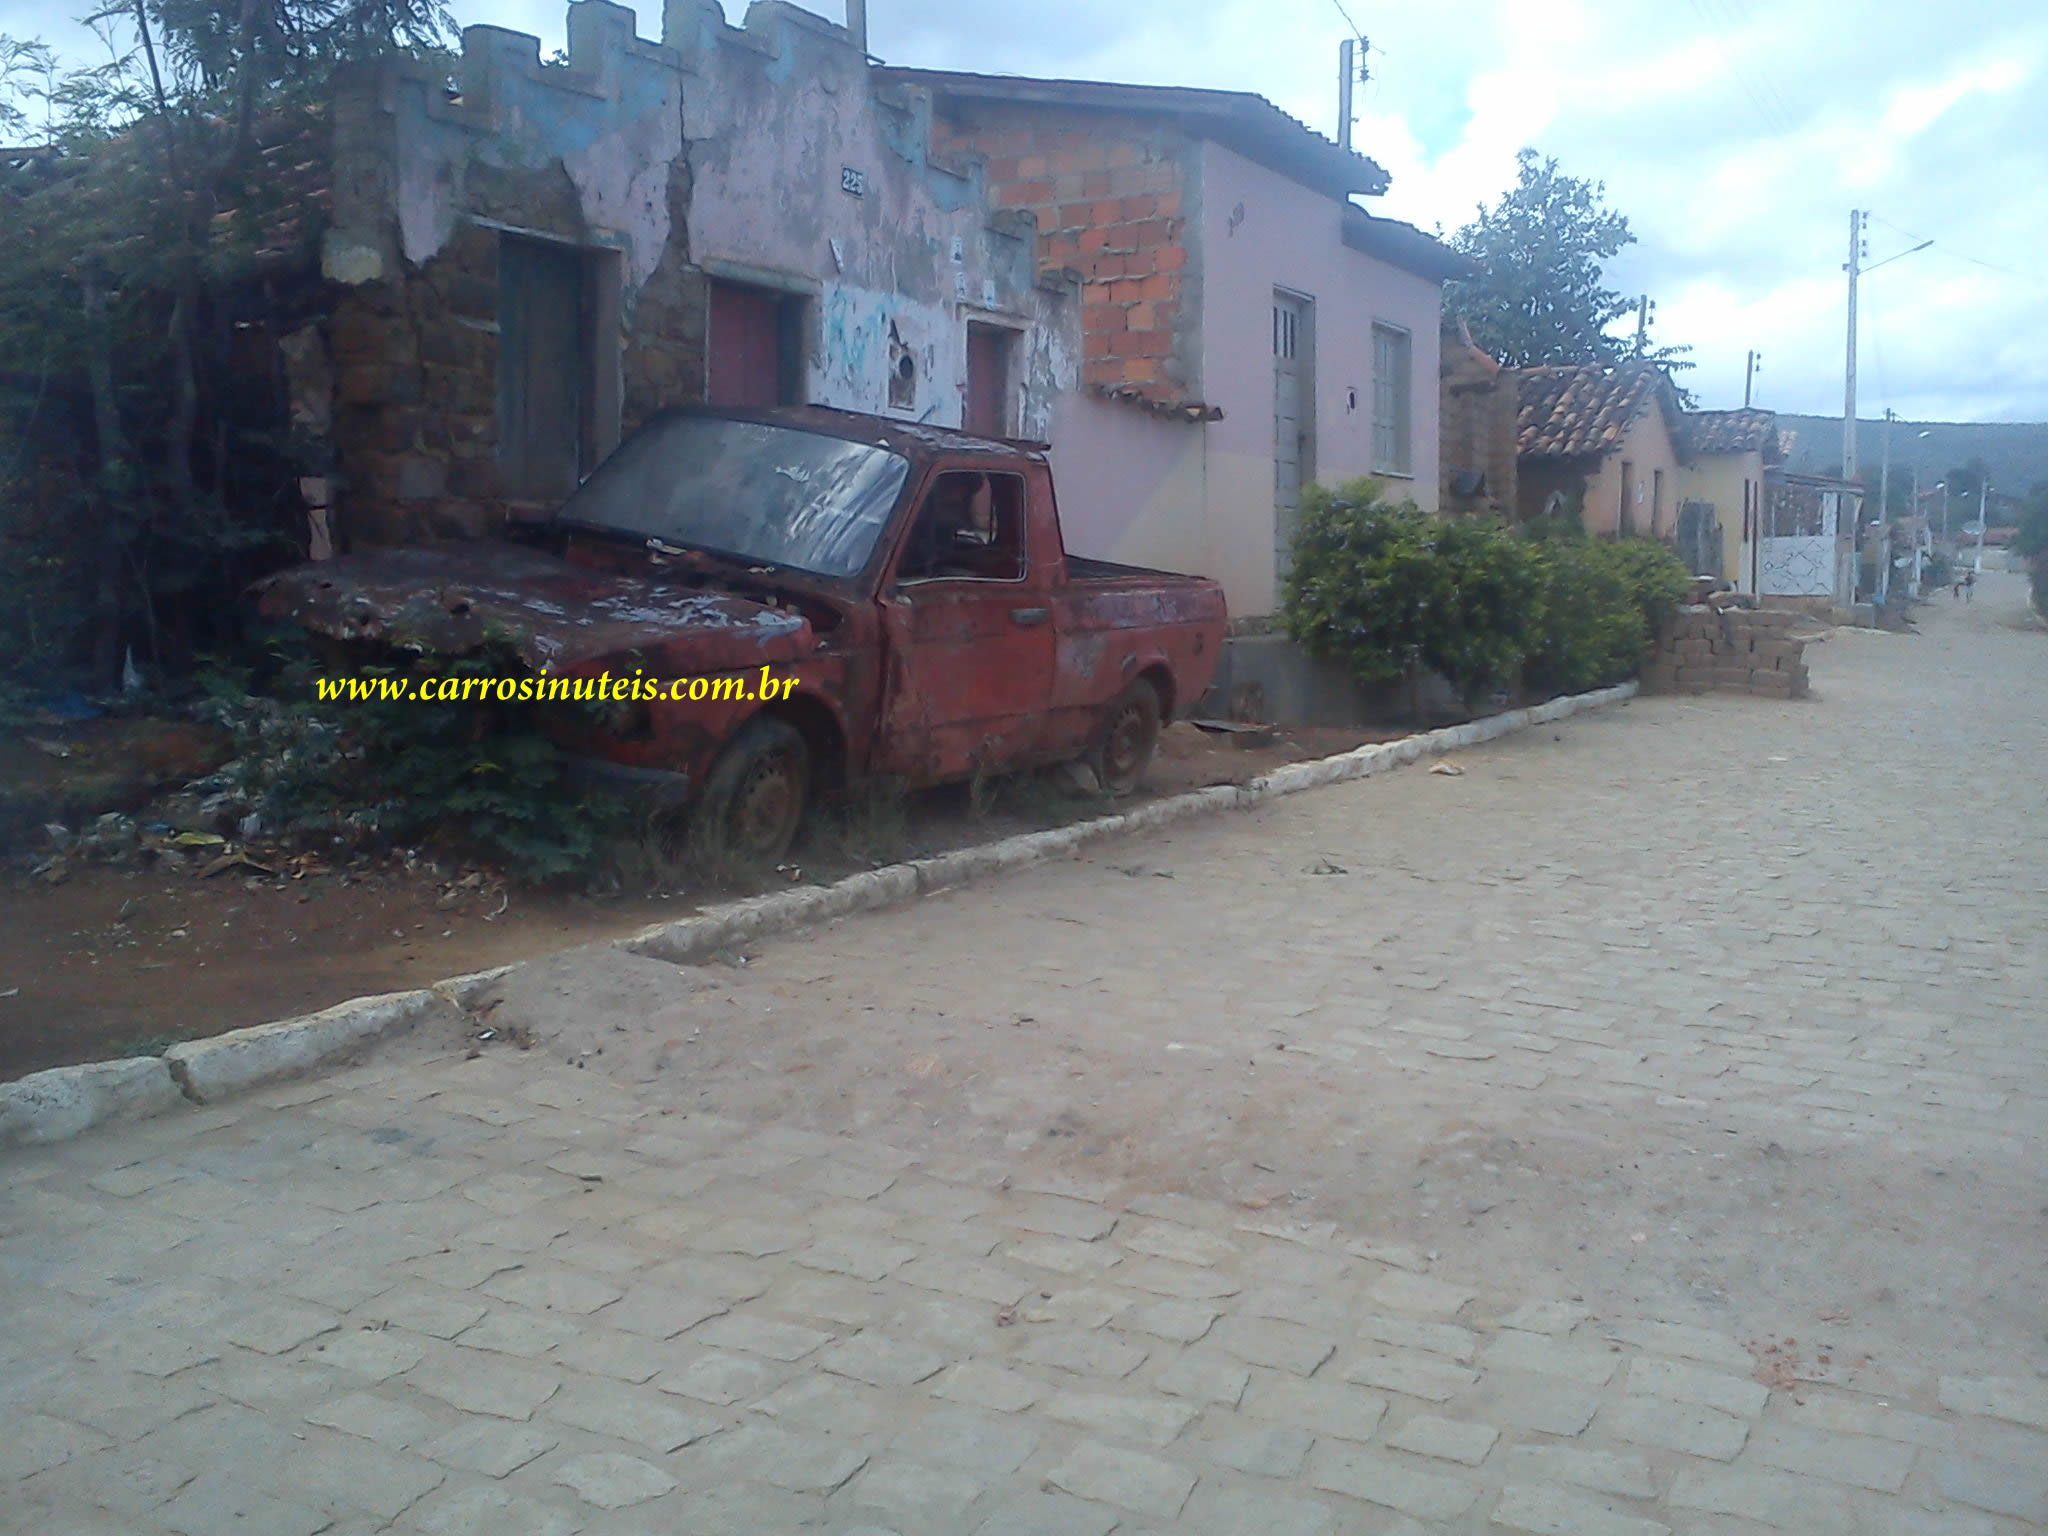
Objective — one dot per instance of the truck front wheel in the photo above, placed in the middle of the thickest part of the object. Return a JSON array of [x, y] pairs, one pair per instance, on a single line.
[[754, 796], [1130, 733]]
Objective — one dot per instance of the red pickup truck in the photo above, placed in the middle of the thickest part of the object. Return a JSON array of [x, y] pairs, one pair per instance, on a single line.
[[909, 580]]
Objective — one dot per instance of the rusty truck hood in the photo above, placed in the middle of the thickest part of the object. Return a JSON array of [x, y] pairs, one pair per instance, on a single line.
[[452, 598]]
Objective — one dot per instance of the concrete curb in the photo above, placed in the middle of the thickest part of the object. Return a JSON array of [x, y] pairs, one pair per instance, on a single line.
[[58, 1104], [207, 1070], [693, 938], [65, 1101]]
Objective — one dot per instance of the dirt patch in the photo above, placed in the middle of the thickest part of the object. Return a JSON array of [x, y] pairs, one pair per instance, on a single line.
[[126, 961], [68, 772]]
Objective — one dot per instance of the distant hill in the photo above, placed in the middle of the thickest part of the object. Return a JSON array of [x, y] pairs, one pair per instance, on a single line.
[[2016, 453]]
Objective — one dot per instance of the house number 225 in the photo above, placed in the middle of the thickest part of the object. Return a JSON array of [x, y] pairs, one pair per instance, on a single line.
[[852, 181]]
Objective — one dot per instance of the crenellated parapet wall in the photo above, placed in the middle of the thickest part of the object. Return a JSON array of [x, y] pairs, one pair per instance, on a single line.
[[433, 176]]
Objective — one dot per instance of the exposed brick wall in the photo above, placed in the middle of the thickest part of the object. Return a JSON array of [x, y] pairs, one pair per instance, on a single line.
[[1478, 409], [1109, 193]]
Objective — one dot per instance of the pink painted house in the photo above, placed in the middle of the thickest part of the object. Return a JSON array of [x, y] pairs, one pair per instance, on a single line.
[[1246, 328]]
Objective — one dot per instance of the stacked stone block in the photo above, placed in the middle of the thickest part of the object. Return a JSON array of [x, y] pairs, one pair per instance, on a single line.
[[1740, 650]]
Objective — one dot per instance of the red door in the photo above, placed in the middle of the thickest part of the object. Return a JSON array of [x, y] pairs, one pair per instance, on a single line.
[[743, 346], [988, 381]]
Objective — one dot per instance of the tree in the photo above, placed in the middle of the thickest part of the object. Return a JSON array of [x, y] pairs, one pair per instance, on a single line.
[[139, 465], [1539, 297]]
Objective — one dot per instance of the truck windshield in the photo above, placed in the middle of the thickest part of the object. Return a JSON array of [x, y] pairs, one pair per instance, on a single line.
[[765, 495]]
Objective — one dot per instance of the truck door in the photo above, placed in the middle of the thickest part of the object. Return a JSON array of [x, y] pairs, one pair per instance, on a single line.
[[969, 625]]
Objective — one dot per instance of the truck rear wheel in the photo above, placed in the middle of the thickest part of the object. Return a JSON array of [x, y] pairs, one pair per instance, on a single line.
[[755, 794], [1130, 735]]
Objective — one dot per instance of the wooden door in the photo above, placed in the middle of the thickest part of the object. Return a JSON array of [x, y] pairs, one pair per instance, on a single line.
[[745, 346], [543, 366]]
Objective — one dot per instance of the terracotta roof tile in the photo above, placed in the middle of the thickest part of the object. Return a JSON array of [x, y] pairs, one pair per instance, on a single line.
[[1733, 431], [1570, 412]]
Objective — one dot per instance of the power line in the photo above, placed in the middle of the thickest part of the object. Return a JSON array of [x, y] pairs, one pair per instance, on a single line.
[[1774, 121], [1989, 266], [1355, 31]]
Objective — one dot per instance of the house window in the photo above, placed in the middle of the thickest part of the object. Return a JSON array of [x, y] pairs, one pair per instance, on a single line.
[[1656, 503], [1392, 406], [558, 365], [1625, 519]]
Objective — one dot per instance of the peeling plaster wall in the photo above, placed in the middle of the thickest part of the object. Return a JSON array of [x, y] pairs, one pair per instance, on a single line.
[[775, 113], [589, 155]]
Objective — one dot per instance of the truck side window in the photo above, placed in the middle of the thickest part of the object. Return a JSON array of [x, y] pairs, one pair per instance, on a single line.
[[970, 526]]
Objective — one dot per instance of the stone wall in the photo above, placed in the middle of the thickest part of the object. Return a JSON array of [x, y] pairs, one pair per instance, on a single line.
[[1705, 649], [428, 184]]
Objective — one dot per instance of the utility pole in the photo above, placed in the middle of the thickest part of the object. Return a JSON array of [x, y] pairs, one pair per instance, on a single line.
[[1983, 520], [1643, 308], [1749, 376], [1345, 56], [1884, 511], [1849, 378]]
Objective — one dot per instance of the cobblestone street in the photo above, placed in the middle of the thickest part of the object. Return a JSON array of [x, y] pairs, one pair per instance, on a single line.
[[1639, 1132]]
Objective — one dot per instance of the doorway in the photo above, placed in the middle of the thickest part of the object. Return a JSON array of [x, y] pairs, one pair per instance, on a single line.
[[1294, 420], [987, 409]]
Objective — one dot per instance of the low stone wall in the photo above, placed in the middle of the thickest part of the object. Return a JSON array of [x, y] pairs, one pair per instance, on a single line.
[[1735, 650]]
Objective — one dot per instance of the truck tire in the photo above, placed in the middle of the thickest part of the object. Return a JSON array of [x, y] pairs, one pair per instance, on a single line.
[[755, 794], [1130, 734]]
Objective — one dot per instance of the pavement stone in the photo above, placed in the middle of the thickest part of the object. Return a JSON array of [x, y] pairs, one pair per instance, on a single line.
[[1128, 1479], [441, 1296]]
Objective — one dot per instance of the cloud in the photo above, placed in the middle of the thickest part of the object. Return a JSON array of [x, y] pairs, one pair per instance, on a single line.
[[1735, 134]]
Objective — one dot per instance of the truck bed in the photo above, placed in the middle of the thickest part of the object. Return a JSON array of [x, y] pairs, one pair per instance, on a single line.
[[1094, 572]]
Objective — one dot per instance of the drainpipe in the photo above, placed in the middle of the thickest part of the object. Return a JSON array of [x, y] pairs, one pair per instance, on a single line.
[[857, 24]]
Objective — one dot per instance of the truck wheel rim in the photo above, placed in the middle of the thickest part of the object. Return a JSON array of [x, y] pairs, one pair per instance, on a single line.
[[768, 802], [1126, 747]]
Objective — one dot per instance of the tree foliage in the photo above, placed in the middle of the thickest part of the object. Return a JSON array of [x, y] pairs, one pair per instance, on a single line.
[[158, 221], [1540, 296]]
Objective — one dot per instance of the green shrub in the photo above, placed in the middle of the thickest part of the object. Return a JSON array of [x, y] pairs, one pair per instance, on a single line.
[[473, 777], [1655, 577], [1388, 589], [1591, 632], [1603, 603]]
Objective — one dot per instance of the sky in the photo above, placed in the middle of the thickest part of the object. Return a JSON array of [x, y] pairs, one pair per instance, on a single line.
[[1736, 135]]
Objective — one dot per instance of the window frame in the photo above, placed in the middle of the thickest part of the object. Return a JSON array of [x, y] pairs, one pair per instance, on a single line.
[[899, 581], [1397, 383]]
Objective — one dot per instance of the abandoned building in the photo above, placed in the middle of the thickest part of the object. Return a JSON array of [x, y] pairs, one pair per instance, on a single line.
[[530, 260], [850, 261], [509, 294]]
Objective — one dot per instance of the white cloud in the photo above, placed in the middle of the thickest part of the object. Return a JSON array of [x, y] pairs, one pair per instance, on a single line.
[[1735, 134]]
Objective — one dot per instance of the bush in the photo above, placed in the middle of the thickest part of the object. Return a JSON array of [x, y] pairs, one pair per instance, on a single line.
[[473, 777], [1603, 604], [1591, 633], [1388, 590]]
